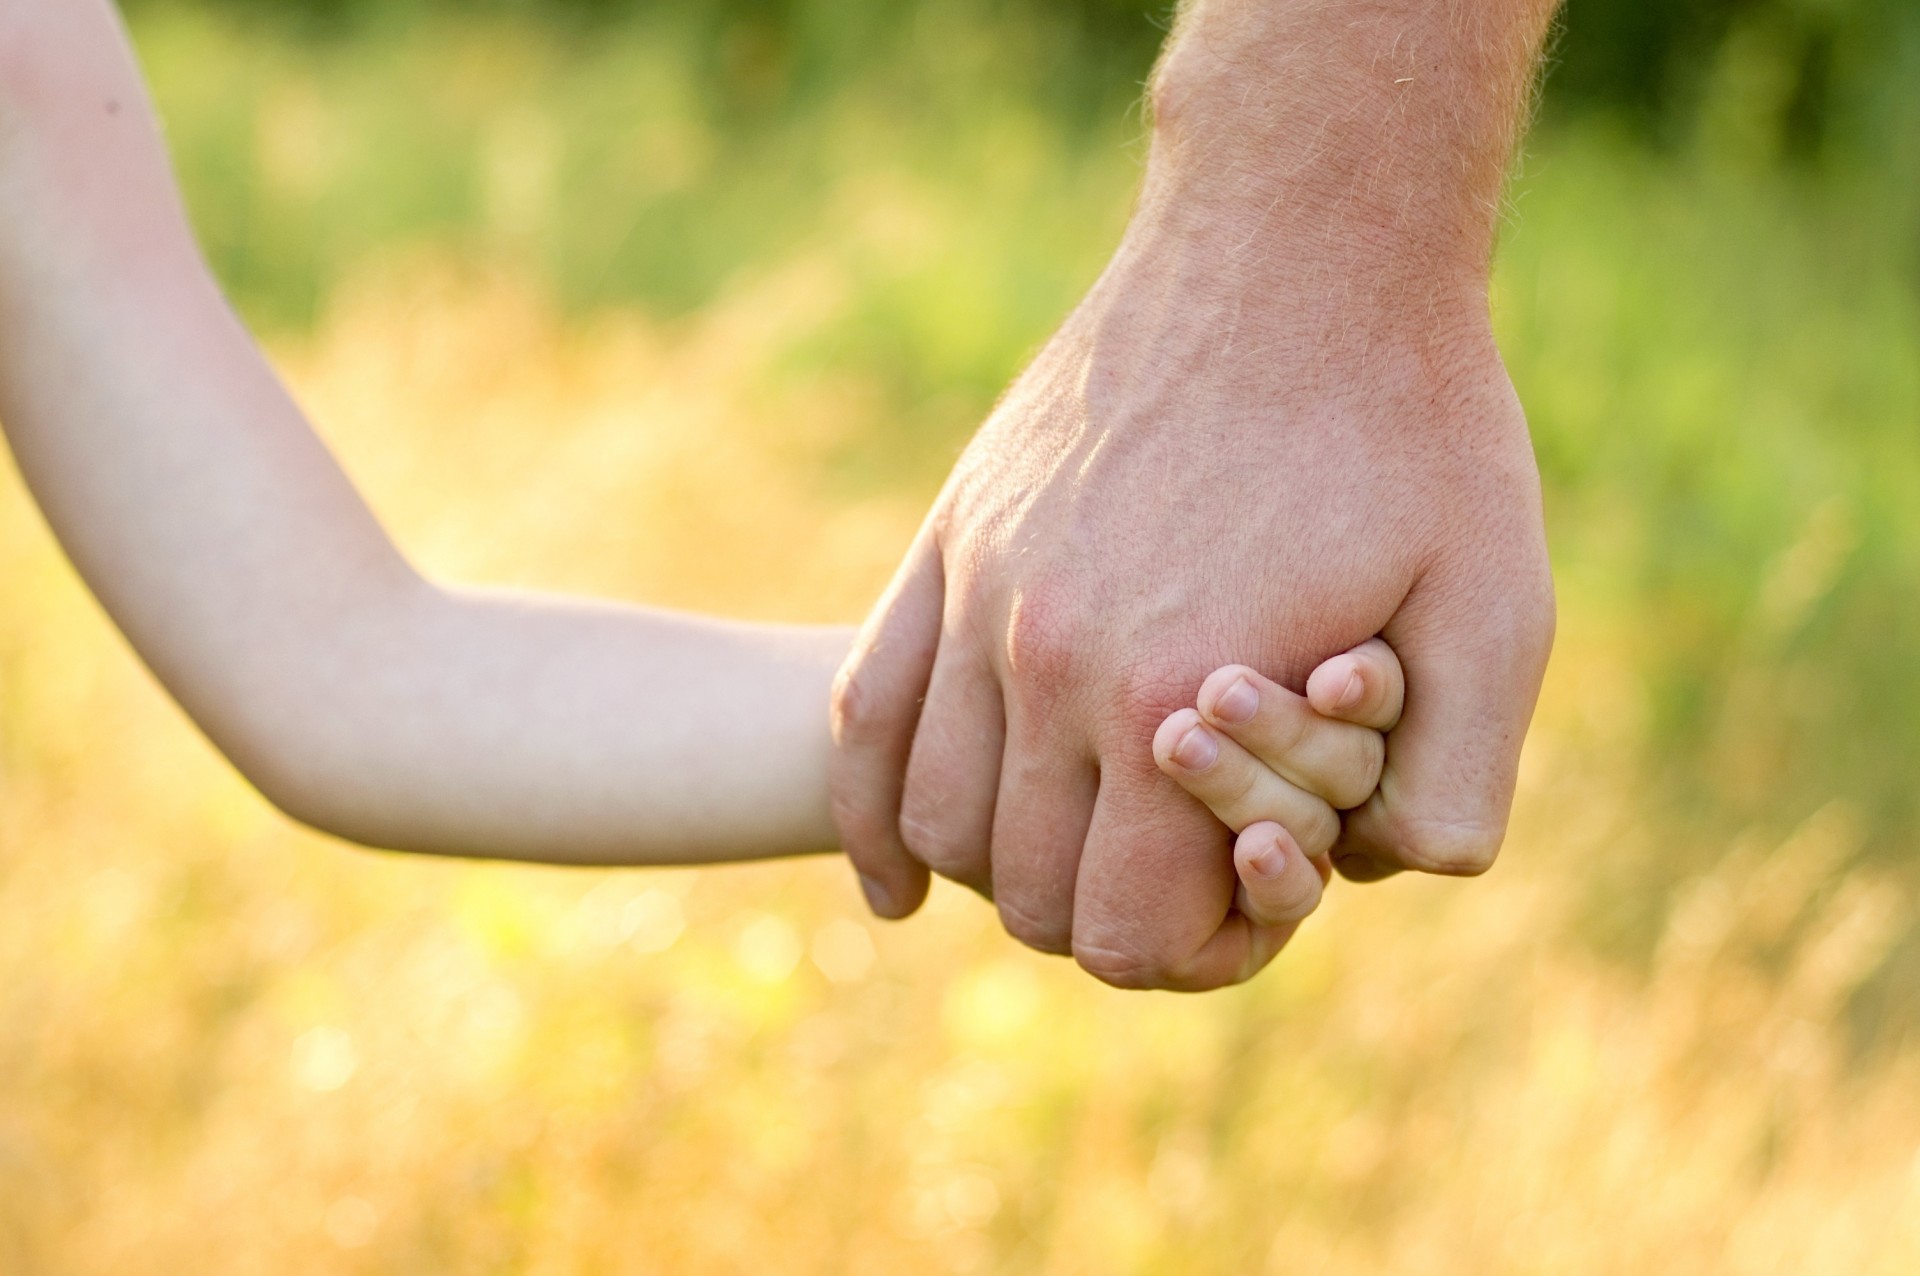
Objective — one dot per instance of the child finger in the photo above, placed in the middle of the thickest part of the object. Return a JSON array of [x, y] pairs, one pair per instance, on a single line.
[[1236, 786], [1279, 885], [1335, 761], [1365, 686]]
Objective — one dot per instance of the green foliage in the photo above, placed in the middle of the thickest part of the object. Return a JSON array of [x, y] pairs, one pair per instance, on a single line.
[[1805, 77], [643, 164], [1722, 377]]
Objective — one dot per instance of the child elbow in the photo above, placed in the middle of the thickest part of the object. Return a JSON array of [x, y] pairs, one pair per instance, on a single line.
[[297, 790], [316, 784]]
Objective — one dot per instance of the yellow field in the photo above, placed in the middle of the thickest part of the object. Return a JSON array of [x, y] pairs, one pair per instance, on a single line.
[[1672, 1032], [233, 1047]]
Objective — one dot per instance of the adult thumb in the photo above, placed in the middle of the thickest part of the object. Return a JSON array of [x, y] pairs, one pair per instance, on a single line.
[[1475, 652]]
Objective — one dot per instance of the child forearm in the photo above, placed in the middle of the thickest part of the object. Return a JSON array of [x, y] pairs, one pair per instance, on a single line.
[[538, 728], [238, 559]]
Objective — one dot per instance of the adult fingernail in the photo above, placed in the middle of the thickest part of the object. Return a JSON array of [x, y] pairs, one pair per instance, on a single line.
[[1237, 703], [1353, 692], [877, 897], [1196, 750]]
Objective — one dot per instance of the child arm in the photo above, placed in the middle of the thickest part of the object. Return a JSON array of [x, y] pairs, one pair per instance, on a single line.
[[238, 559]]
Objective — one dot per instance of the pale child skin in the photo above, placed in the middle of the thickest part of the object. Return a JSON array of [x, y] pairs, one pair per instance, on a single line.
[[381, 707]]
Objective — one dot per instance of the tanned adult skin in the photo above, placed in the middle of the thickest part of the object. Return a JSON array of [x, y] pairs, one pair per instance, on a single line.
[[1287, 373]]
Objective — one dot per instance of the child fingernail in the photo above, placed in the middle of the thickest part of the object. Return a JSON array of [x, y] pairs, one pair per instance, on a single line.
[[1265, 860], [1353, 692], [1237, 703], [1196, 750]]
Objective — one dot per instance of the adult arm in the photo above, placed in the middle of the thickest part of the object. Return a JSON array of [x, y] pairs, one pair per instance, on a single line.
[[1286, 376], [239, 561]]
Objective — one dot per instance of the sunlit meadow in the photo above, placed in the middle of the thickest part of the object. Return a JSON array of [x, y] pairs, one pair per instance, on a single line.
[[578, 319]]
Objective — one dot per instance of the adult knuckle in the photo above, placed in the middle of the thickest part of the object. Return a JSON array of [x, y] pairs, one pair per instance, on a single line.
[[1460, 847], [1046, 635], [1190, 975], [1119, 967], [935, 842], [1136, 961], [1147, 691], [1041, 930], [858, 715], [861, 826]]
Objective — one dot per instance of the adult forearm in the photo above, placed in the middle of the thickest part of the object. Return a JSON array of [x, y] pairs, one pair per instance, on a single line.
[[1354, 151]]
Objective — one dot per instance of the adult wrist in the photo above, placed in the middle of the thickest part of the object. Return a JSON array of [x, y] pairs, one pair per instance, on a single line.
[[1369, 145], [1294, 219], [1255, 287]]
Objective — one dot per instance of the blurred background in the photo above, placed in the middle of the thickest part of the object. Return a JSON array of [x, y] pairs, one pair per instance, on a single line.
[[694, 304]]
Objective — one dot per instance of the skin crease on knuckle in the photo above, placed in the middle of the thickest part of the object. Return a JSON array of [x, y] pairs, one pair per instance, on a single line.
[[1463, 848], [1356, 773], [1373, 762], [932, 841], [1045, 636], [858, 717], [1288, 725], [1319, 836], [954, 759], [1038, 933], [1235, 788], [1122, 968], [866, 830], [860, 825]]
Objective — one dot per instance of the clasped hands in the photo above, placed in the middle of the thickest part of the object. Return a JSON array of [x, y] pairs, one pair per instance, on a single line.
[[1301, 485]]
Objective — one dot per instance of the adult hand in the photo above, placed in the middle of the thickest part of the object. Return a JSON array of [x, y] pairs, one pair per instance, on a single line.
[[1277, 426]]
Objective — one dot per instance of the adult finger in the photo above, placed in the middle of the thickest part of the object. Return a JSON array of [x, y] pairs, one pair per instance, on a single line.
[[953, 771], [1039, 826], [875, 707], [1154, 892], [1474, 662], [1365, 686]]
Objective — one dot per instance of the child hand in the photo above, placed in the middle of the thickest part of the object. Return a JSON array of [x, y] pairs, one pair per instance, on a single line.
[[1278, 767]]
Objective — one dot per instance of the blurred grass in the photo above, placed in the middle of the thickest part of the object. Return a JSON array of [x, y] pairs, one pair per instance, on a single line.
[[579, 313]]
